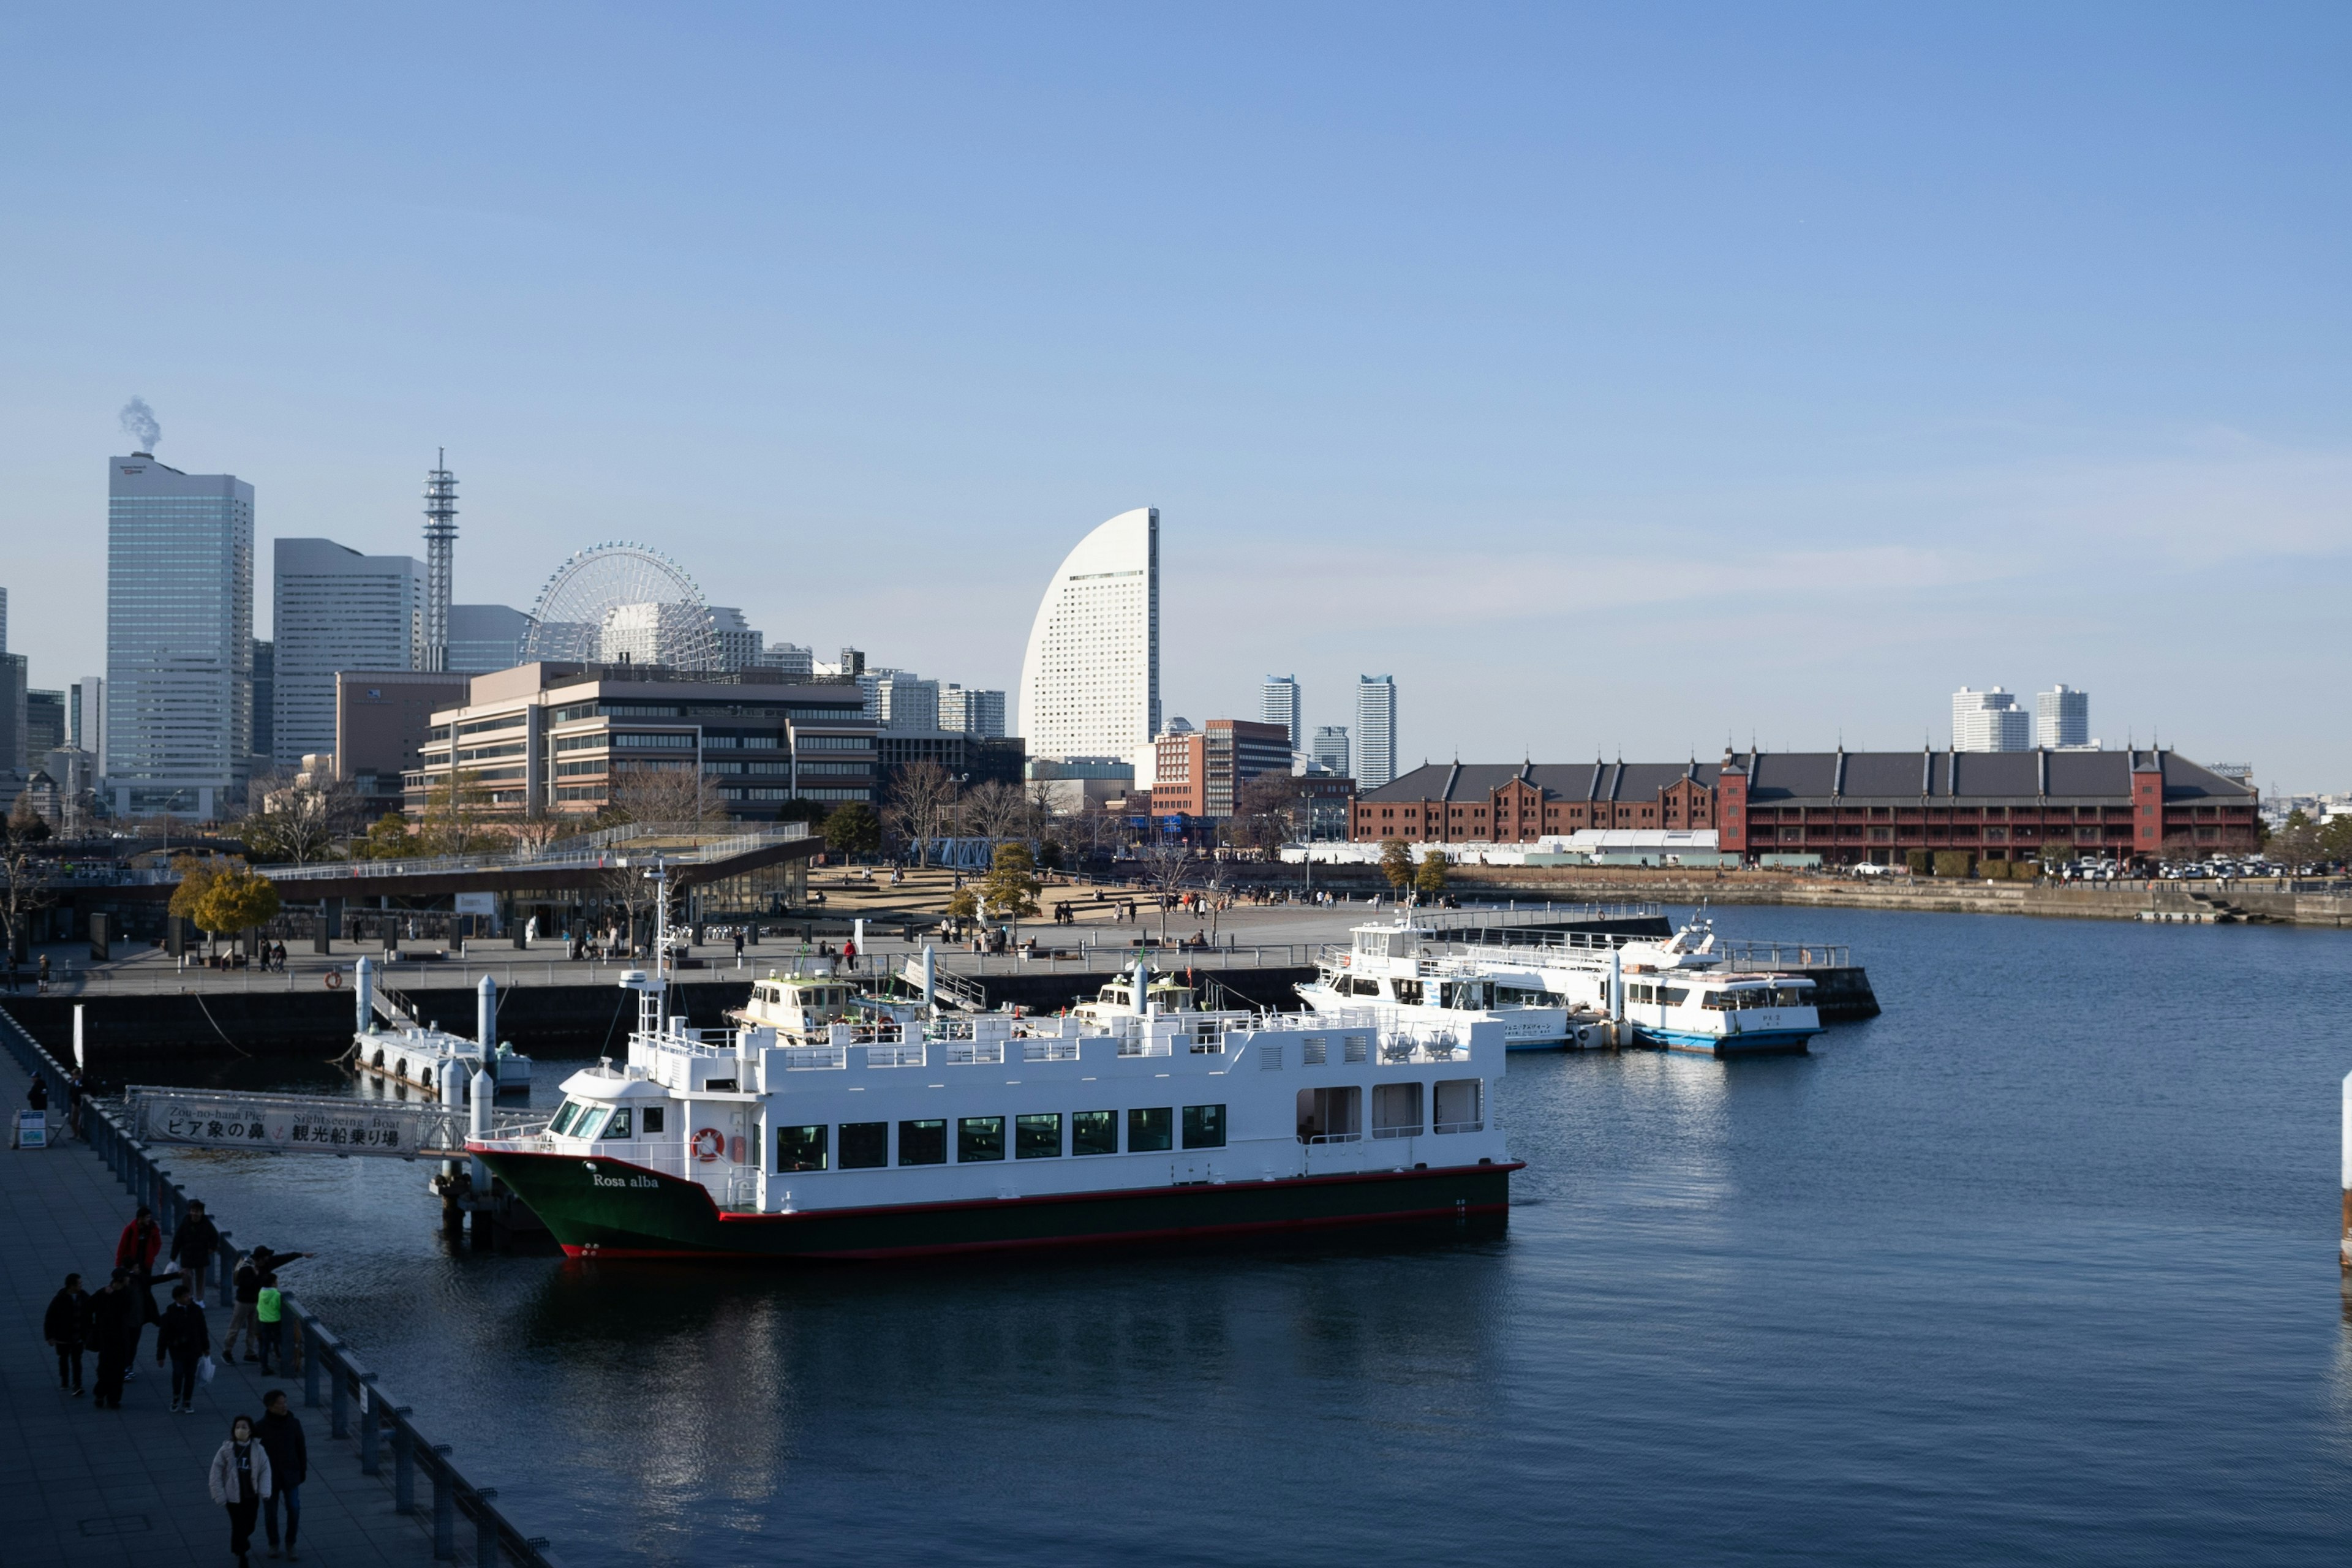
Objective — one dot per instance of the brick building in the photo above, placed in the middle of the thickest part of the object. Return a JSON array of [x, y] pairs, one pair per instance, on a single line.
[[1199, 771], [2001, 806], [1841, 805], [1518, 803]]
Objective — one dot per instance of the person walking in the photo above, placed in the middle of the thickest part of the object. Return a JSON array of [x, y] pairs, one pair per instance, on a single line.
[[194, 1245], [186, 1341], [141, 1242], [240, 1479], [244, 1289], [44, 974], [269, 1313], [282, 1438], [65, 1325], [115, 1321], [74, 1092]]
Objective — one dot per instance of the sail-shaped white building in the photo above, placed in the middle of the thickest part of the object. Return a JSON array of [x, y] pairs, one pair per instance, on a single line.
[[1090, 681]]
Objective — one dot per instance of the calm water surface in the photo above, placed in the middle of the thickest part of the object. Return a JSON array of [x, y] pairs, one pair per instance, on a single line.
[[2038, 1268]]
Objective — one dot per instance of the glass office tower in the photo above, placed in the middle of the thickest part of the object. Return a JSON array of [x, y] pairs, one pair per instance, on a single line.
[[179, 640]]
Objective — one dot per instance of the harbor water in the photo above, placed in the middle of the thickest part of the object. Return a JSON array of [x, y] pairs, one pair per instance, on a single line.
[[2039, 1266]]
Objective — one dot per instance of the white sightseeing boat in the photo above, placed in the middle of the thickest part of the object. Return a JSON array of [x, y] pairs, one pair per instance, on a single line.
[[802, 1132], [1405, 967], [423, 1056]]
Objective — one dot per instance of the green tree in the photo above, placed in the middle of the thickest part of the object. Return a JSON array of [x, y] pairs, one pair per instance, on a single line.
[[456, 816], [387, 839], [853, 828], [1396, 863], [2336, 837], [799, 810], [1429, 878], [1010, 888]]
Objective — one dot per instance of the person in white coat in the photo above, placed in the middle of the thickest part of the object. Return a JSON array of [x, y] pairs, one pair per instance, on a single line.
[[240, 1479]]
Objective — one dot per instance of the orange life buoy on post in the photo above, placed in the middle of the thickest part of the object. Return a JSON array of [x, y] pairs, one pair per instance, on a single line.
[[335, 980], [709, 1142]]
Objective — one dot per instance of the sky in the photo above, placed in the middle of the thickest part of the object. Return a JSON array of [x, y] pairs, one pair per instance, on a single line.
[[1625, 382]]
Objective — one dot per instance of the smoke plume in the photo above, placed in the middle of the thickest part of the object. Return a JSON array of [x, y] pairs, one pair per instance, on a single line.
[[138, 424]]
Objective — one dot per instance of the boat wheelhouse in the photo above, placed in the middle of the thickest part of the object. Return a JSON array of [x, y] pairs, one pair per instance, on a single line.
[[893, 1137], [1402, 967]]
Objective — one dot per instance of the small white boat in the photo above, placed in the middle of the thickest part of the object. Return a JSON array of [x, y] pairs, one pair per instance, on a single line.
[[1395, 966], [1681, 996]]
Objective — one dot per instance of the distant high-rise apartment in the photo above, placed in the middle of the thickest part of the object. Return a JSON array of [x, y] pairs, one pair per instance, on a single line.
[[1278, 704], [974, 711], [485, 637], [792, 661], [15, 721], [265, 700], [336, 609], [1330, 747], [44, 724], [901, 700], [1090, 678], [1990, 722], [739, 645], [1375, 730], [179, 639], [2061, 718], [86, 719]]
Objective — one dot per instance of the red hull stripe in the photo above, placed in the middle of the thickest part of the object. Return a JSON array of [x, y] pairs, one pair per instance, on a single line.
[[1399, 1216]]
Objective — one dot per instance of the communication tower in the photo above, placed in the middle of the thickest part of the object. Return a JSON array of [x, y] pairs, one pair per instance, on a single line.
[[440, 558]]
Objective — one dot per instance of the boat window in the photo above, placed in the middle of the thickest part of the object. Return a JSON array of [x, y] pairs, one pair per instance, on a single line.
[[1364, 987], [864, 1145], [1408, 992], [1037, 1136], [922, 1142], [591, 1118], [566, 1117], [1094, 1132], [979, 1138], [1204, 1127], [1329, 1115], [1455, 1101], [618, 1127], [1673, 995], [1396, 1109], [1149, 1131], [650, 1120], [800, 1148]]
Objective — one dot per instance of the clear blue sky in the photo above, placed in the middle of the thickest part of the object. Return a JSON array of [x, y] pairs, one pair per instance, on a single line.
[[1621, 380]]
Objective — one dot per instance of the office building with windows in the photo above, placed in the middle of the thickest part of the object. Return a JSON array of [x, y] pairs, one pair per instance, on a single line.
[[2061, 718], [179, 640], [336, 609], [1091, 678], [570, 739], [1200, 772], [484, 638], [264, 702], [974, 711], [739, 643], [1375, 730], [1330, 747], [1990, 722], [86, 720]]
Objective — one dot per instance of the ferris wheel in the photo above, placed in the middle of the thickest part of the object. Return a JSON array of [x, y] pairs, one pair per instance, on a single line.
[[622, 603]]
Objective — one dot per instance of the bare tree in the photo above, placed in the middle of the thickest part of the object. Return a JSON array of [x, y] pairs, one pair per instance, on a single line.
[[1264, 811], [657, 794], [998, 811], [25, 874], [301, 823], [923, 806], [539, 827], [1166, 863]]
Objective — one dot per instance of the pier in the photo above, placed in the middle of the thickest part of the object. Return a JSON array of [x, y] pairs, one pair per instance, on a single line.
[[128, 1486]]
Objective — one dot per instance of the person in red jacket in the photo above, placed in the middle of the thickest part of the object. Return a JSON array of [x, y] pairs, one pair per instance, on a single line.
[[142, 1243]]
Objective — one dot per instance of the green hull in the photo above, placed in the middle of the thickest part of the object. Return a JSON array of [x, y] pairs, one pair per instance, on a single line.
[[598, 1207]]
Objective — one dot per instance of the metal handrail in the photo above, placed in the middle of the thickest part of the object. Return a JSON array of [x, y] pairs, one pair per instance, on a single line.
[[320, 1350]]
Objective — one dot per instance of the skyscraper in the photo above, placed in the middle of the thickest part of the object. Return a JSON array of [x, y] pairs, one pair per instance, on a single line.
[[739, 644], [86, 718], [264, 724], [441, 563], [1090, 679], [1990, 722], [1278, 704], [485, 637], [1375, 730], [179, 639], [337, 609], [2061, 717], [1330, 747]]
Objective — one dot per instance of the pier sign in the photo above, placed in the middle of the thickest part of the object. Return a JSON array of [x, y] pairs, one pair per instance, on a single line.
[[297, 1124]]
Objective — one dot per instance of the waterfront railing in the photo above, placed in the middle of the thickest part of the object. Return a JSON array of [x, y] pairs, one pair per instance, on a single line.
[[332, 1374]]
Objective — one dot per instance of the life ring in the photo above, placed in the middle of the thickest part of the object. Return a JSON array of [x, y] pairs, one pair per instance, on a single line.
[[710, 1151], [335, 980]]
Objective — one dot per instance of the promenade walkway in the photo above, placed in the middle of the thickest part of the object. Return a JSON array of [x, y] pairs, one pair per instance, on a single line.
[[84, 1486]]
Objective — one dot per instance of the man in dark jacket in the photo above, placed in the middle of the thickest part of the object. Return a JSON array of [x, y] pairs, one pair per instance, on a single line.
[[65, 1325], [194, 1245], [289, 1465], [115, 1319], [185, 1338]]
